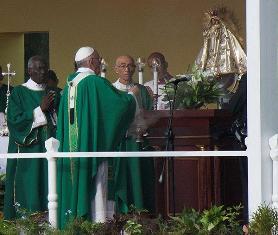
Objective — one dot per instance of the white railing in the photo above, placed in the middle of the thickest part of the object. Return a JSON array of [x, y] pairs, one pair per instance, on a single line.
[[52, 154], [273, 143]]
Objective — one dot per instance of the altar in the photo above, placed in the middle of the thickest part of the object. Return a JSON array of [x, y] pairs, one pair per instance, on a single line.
[[199, 181]]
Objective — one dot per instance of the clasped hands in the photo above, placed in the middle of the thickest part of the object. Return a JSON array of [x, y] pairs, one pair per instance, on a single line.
[[47, 103]]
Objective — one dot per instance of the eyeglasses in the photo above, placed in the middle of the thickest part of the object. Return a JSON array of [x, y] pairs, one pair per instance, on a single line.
[[125, 66]]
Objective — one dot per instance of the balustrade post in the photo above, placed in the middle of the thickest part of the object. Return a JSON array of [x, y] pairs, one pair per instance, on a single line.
[[273, 143], [52, 146]]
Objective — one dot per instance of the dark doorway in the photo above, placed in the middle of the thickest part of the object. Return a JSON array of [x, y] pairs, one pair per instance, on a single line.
[[35, 44]]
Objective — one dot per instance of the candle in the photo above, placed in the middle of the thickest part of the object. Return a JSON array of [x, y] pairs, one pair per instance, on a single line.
[[103, 68], [155, 81], [102, 74], [141, 80], [140, 65]]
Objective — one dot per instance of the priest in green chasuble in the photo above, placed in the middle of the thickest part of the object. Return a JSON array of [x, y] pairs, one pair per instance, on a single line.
[[93, 117], [139, 179], [31, 121]]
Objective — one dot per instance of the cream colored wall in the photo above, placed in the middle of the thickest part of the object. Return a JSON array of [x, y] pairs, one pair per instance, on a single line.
[[173, 27], [12, 51]]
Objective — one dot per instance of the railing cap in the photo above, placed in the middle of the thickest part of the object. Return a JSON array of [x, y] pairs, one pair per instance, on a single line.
[[52, 145]]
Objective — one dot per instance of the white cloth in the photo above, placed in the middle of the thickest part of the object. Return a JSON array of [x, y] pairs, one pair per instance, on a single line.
[[85, 70], [39, 118], [122, 87], [4, 143], [83, 53], [30, 84], [101, 208], [161, 105], [2, 119]]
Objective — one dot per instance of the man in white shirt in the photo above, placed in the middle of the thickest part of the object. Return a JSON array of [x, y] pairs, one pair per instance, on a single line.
[[163, 77]]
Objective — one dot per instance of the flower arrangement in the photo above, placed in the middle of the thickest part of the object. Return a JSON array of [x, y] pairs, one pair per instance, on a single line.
[[202, 89]]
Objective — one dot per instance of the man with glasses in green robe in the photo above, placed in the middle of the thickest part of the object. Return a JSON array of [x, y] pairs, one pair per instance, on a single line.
[[31, 121], [93, 117], [139, 178]]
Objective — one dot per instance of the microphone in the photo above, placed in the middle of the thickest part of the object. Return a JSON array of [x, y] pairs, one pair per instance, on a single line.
[[183, 78]]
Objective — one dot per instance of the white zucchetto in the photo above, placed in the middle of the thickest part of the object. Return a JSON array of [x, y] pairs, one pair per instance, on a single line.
[[83, 53]]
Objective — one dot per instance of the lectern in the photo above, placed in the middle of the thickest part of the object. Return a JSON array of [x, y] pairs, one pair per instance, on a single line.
[[199, 181]]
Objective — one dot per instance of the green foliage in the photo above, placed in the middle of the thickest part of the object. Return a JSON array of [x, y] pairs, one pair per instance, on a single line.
[[199, 91], [133, 227], [2, 178], [215, 220], [186, 223], [8, 227], [264, 221]]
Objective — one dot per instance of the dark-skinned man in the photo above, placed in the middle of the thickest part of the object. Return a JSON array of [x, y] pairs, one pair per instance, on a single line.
[[163, 77], [31, 121], [139, 172]]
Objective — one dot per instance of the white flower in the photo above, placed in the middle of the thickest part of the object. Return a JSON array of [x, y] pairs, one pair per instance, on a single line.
[[68, 212]]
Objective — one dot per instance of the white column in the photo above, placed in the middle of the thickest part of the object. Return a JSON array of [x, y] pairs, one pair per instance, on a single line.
[[52, 146], [273, 143], [262, 39]]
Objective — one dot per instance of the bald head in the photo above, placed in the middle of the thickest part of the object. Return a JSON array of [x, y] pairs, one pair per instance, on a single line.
[[125, 68], [38, 69], [124, 59], [157, 55]]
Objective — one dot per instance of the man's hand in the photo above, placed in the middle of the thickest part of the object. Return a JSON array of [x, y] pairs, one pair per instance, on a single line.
[[47, 102], [135, 90]]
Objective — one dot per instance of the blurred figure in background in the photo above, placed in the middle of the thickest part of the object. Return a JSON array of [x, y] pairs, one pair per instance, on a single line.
[[163, 77]]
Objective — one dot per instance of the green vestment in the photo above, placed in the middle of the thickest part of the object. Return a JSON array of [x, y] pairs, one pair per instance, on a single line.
[[139, 178], [26, 179], [101, 116]]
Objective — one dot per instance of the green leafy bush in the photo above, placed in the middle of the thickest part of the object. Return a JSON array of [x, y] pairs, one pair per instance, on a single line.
[[264, 221], [213, 221]]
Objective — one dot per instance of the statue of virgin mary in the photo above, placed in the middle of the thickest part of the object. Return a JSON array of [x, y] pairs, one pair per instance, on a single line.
[[222, 55]]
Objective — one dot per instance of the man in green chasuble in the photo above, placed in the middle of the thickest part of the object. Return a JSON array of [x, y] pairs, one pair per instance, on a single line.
[[139, 178], [31, 121], [93, 117]]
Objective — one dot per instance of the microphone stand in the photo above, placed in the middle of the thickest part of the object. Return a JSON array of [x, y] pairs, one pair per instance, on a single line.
[[170, 146]]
